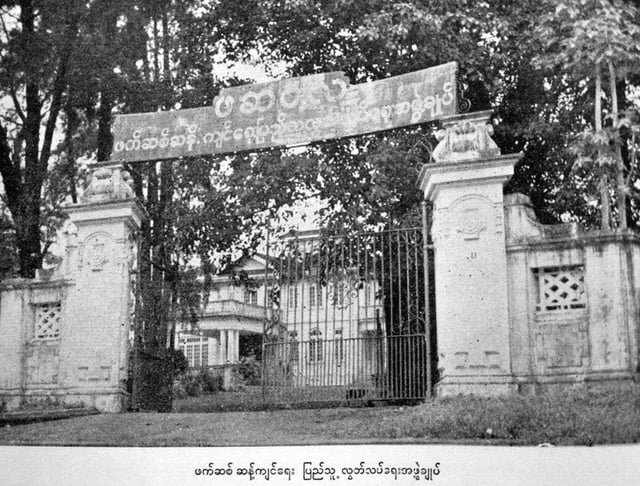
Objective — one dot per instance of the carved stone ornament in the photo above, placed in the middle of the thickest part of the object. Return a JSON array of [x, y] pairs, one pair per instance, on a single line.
[[470, 224], [467, 137], [108, 183], [470, 215], [98, 250]]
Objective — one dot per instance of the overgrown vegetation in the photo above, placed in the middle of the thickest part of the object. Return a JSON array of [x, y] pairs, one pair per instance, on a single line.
[[609, 415], [248, 371], [193, 384], [596, 416]]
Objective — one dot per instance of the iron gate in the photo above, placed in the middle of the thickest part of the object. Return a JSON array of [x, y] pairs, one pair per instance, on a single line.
[[348, 318]]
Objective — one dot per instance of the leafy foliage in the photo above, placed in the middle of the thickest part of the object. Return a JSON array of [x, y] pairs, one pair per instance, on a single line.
[[580, 37], [578, 34]]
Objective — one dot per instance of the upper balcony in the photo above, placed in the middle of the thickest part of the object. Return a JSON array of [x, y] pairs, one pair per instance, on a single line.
[[234, 308]]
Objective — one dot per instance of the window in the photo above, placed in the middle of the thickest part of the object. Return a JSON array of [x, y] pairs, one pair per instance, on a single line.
[[340, 290], [196, 350], [251, 297], [47, 321], [338, 343], [370, 343], [294, 349], [293, 297], [560, 288], [315, 296], [370, 293], [315, 345], [337, 294], [215, 294]]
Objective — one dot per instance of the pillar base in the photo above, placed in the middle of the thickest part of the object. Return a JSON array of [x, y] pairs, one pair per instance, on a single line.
[[109, 400], [481, 385]]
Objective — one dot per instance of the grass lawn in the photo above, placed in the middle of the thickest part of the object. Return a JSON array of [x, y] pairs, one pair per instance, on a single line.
[[249, 399], [577, 417]]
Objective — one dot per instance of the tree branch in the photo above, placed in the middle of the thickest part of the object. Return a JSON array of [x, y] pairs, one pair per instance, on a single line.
[[16, 104], [12, 88]]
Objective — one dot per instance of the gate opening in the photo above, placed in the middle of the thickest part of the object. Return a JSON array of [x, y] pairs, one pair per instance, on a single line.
[[348, 319]]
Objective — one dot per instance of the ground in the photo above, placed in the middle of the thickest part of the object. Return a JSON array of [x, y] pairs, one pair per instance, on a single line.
[[578, 417], [282, 427]]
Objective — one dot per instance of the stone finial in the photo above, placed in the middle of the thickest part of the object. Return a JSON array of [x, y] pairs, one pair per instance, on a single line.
[[108, 182], [466, 137]]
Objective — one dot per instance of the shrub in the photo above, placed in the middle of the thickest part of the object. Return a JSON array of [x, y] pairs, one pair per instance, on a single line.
[[248, 370], [178, 361], [179, 390], [209, 382], [192, 385]]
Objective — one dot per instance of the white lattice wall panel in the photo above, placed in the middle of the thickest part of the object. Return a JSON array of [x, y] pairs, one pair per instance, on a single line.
[[47, 321], [561, 288]]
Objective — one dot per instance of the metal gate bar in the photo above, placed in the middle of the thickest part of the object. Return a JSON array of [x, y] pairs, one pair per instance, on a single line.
[[348, 318]]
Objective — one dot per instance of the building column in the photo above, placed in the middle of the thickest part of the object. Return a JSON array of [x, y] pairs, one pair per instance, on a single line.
[[465, 186], [235, 355], [224, 340]]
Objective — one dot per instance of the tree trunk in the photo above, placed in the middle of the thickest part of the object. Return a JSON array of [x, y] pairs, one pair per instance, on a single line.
[[621, 192], [105, 139], [73, 122], [603, 183]]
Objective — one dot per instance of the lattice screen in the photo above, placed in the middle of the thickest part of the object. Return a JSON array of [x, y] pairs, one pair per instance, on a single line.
[[561, 288], [47, 320]]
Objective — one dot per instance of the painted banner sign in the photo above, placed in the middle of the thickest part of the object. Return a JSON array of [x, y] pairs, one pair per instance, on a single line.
[[287, 112]]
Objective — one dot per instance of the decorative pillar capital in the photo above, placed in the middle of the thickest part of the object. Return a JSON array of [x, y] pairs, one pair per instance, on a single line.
[[466, 137], [466, 156], [108, 181]]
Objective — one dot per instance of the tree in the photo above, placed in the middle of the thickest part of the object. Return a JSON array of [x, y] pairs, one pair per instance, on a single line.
[[56, 70], [38, 47], [197, 208], [585, 37]]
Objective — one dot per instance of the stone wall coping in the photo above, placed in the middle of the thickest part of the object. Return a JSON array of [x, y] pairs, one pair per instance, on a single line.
[[100, 205], [471, 116], [582, 240], [32, 283], [463, 172], [90, 212], [474, 163]]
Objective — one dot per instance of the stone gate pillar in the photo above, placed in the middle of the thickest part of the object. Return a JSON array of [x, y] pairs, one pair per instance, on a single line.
[[103, 268], [465, 185]]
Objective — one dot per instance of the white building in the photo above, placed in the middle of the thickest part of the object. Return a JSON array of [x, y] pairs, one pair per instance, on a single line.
[[232, 319], [333, 317], [334, 329]]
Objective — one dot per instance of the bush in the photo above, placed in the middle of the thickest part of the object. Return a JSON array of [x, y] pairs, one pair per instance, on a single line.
[[179, 361], [248, 369], [193, 384], [179, 390], [209, 382]]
